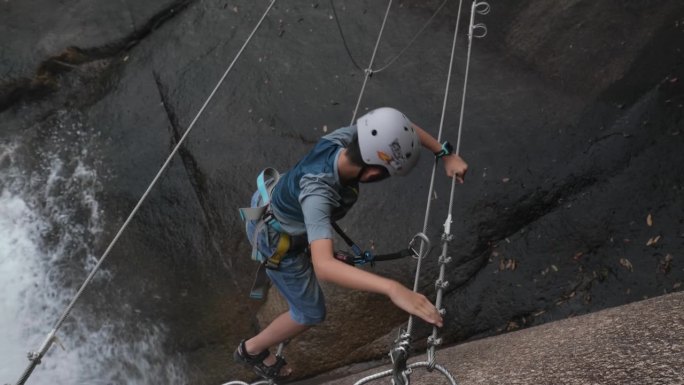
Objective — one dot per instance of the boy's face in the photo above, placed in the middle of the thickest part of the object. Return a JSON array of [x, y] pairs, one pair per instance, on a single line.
[[370, 174]]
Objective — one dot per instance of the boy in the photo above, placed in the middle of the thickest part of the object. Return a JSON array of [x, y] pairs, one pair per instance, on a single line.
[[318, 190]]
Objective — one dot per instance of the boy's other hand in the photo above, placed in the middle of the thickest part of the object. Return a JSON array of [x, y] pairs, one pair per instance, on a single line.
[[455, 167]]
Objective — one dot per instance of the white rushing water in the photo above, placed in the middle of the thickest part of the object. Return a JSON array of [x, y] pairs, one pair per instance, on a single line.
[[49, 221]]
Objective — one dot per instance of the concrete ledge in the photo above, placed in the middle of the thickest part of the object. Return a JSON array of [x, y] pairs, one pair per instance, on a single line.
[[639, 343]]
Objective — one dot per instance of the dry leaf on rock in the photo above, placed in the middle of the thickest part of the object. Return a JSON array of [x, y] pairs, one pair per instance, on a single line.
[[653, 240], [626, 264], [665, 264], [649, 220], [507, 264]]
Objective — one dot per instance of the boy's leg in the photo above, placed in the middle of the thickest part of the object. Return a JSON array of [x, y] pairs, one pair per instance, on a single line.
[[282, 328]]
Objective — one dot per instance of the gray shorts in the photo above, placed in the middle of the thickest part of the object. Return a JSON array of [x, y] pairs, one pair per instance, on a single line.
[[296, 281], [294, 278]]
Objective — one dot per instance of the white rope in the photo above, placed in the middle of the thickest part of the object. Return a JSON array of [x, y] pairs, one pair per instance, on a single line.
[[410, 368], [35, 357], [369, 71], [434, 166], [441, 284], [413, 39]]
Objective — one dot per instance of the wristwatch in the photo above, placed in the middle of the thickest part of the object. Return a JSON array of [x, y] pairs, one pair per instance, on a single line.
[[447, 149]]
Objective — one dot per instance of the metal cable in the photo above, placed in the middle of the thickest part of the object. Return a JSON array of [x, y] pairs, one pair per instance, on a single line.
[[369, 71], [35, 357], [441, 283], [344, 40], [434, 166], [391, 61], [415, 365], [403, 50]]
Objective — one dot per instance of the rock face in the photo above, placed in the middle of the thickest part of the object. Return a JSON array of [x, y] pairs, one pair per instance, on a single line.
[[640, 343], [573, 131]]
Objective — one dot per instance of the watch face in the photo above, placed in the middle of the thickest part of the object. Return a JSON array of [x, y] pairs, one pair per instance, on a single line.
[[449, 148]]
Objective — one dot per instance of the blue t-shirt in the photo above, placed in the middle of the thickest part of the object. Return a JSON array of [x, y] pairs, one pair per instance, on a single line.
[[310, 196]]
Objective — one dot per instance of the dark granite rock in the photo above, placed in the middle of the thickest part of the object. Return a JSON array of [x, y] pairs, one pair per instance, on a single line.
[[572, 132]]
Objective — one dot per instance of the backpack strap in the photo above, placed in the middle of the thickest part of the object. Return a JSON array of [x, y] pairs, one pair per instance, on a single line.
[[266, 181]]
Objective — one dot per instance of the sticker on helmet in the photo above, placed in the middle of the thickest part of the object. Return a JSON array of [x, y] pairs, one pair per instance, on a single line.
[[396, 159]]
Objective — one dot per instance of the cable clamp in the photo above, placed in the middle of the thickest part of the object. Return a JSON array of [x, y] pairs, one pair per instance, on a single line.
[[434, 341], [443, 260], [441, 284], [33, 357], [447, 237]]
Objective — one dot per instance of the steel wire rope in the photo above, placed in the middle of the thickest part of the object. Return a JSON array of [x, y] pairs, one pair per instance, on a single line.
[[431, 364], [441, 284], [410, 367], [403, 50], [434, 166], [368, 71], [35, 357]]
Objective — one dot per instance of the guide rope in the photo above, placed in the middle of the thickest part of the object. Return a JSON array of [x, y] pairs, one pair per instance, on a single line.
[[399, 354]]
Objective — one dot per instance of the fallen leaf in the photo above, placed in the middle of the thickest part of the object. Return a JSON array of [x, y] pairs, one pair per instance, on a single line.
[[649, 220], [507, 264], [652, 241], [665, 264], [578, 255], [512, 326], [626, 264], [505, 180], [512, 264], [554, 268]]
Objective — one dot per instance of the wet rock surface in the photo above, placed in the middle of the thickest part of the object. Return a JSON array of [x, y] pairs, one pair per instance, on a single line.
[[573, 131]]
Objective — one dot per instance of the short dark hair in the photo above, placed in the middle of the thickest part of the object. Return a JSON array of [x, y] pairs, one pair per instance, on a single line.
[[354, 152]]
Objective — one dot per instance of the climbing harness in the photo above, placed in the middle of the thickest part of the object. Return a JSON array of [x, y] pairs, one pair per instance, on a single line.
[[36, 357], [399, 353], [259, 217]]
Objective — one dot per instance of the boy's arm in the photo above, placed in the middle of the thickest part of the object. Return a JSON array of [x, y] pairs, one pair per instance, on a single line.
[[454, 165], [329, 269]]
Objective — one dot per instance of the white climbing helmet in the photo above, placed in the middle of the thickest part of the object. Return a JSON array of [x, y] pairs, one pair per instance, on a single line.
[[387, 138]]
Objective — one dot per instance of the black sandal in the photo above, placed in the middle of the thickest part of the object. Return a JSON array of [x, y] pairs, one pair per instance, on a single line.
[[256, 362]]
